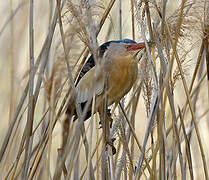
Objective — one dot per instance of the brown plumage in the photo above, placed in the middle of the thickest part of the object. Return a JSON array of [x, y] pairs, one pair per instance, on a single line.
[[118, 64], [112, 77]]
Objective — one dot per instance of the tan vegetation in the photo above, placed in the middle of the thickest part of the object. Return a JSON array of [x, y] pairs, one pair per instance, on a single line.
[[161, 127]]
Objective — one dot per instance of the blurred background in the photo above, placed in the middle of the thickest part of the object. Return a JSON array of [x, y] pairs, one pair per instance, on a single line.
[[121, 22]]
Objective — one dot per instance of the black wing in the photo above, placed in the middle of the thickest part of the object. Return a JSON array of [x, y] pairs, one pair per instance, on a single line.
[[91, 63]]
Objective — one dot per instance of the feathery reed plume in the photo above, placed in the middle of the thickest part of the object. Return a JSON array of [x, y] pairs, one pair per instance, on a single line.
[[158, 134]]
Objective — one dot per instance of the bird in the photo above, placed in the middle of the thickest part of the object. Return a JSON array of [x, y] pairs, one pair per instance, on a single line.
[[118, 62], [112, 77]]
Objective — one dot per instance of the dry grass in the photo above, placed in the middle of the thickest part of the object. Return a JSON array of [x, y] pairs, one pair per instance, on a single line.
[[160, 127]]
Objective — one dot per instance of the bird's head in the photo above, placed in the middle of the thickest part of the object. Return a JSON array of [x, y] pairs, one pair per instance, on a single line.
[[124, 49]]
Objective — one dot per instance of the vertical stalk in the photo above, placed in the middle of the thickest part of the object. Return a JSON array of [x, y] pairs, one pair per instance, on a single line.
[[11, 108], [30, 116], [120, 19], [206, 34], [132, 20]]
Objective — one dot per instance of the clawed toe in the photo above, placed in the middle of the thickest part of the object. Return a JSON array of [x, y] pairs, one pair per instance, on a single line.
[[110, 142], [108, 112], [110, 120]]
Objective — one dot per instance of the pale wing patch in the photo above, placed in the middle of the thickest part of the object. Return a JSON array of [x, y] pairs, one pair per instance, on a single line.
[[83, 94], [86, 88]]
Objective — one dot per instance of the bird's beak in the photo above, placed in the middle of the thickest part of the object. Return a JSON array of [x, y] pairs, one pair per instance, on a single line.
[[139, 46]]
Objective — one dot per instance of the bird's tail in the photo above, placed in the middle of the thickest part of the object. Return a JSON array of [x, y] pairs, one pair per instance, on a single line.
[[70, 109], [67, 121]]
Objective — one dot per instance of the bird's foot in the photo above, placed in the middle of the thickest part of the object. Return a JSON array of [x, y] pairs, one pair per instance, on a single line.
[[108, 117], [110, 143], [110, 120], [108, 112]]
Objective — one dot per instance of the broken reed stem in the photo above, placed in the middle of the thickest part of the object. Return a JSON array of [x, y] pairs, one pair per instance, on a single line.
[[44, 53], [156, 85]]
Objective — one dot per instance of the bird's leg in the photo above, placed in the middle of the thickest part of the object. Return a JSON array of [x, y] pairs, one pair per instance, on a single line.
[[108, 114], [108, 141], [105, 120], [109, 117], [111, 143], [105, 117]]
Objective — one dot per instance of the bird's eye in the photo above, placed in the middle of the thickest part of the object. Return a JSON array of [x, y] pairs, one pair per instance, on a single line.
[[127, 46]]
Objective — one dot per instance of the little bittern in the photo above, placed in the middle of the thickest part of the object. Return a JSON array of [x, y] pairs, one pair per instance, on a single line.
[[112, 77], [118, 64]]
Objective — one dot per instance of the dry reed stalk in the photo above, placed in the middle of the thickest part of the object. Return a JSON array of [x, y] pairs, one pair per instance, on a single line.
[[45, 137], [124, 138], [154, 63], [11, 143], [193, 116], [101, 23], [57, 174], [120, 19], [44, 52], [169, 73], [91, 135], [134, 135], [91, 46], [12, 15], [156, 85], [31, 105], [18, 155], [12, 70], [160, 111], [188, 151], [132, 20], [132, 119], [11, 126], [206, 39], [183, 108], [191, 110], [177, 136], [97, 145]]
